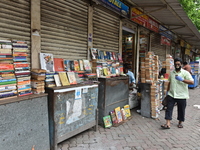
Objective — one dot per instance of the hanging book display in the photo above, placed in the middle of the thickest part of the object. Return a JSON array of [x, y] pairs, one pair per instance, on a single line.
[[106, 64]]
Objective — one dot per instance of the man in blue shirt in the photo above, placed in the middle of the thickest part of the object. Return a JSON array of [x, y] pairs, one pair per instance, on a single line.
[[130, 74]]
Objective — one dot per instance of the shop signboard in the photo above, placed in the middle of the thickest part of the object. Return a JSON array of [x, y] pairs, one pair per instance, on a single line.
[[153, 25], [187, 52], [144, 20], [182, 43], [117, 5], [165, 41], [165, 32]]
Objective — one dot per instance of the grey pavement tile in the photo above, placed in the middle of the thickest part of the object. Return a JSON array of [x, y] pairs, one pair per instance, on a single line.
[[144, 132]]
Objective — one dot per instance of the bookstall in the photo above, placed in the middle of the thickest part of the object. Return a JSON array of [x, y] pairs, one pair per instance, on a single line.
[[113, 86], [153, 89], [72, 95], [72, 110], [24, 120]]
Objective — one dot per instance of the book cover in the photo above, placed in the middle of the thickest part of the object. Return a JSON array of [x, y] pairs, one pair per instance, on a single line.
[[107, 121], [81, 65], [63, 78], [94, 53], [113, 117], [76, 65], [46, 62], [123, 114], [58, 64], [66, 64], [87, 65], [71, 77], [57, 80], [127, 111], [118, 114]]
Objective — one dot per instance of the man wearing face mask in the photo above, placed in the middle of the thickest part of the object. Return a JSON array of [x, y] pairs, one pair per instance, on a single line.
[[177, 93]]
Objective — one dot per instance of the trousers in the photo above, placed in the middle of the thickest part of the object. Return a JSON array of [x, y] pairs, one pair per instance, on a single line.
[[181, 105]]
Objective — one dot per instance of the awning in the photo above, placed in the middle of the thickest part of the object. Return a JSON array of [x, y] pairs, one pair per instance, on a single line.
[[170, 14]]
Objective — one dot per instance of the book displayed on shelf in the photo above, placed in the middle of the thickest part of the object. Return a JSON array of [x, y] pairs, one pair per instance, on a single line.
[[76, 65], [71, 77], [58, 64], [47, 62], [57, 80], [87, 65], [63, 78], [107, 121], [94, 53], [66, 64]]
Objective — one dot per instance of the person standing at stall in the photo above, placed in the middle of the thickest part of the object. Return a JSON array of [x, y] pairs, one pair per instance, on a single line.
[[130, 74], [187, 67], [177, 93]]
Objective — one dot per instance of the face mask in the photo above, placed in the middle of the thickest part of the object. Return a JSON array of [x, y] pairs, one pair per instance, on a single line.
[[178, 68]]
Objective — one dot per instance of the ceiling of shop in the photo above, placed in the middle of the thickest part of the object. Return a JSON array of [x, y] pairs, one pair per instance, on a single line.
[[170, 14]]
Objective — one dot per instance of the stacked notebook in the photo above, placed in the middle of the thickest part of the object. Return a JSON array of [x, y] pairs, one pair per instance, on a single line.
[[7, 77], [22, 67]]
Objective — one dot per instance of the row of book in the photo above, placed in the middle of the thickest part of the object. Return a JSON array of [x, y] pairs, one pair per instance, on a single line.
[[104, 55], [117, 116], [14, 69], [51, 64]]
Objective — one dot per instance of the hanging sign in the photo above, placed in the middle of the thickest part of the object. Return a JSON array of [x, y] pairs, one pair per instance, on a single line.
[[182, 43], [144, 20], [117, 5], [164, 32], [187, 52], [165, 41]]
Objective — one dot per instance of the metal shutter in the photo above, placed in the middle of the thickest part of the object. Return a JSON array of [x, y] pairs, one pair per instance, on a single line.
[[15, 21], [64, 28], [157, 48], [105, 29]]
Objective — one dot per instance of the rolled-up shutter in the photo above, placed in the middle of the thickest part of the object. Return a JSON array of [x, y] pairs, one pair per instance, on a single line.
[[156, 47], [64, 26], [105, 29], [15, 21]]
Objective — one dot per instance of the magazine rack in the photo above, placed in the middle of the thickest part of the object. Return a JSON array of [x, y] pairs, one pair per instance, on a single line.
[[72, 109]]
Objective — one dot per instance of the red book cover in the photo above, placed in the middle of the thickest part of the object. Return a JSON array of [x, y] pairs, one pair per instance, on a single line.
[[58, 64]]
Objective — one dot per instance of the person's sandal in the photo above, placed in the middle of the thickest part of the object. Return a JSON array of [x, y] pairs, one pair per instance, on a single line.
[[180, 125], [165, 126]]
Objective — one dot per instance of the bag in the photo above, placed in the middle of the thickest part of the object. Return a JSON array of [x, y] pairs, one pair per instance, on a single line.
[[165, 100]]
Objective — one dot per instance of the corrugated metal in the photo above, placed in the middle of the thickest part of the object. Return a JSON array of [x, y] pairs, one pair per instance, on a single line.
[[64, 26], [156, 47], [15, 20], [106, 29]]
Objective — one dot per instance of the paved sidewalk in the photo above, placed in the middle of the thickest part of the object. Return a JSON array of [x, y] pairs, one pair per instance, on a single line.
[[141, 133]]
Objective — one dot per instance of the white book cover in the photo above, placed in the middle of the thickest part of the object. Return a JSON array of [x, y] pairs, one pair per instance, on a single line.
[[46, 62], [57, 80]]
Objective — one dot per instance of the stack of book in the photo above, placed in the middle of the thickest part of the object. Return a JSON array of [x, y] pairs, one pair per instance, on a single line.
[[7, 77], [49, 79], [22, 67], [37, 80]]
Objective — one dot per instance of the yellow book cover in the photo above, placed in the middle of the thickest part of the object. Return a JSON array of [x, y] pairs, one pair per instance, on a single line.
[[118, 114], [127, 111], [63, 78], [105, 71]]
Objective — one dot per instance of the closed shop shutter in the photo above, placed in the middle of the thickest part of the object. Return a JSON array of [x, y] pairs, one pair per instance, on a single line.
[[105, 29], [64, 28], [157, 48], [15, 21]]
